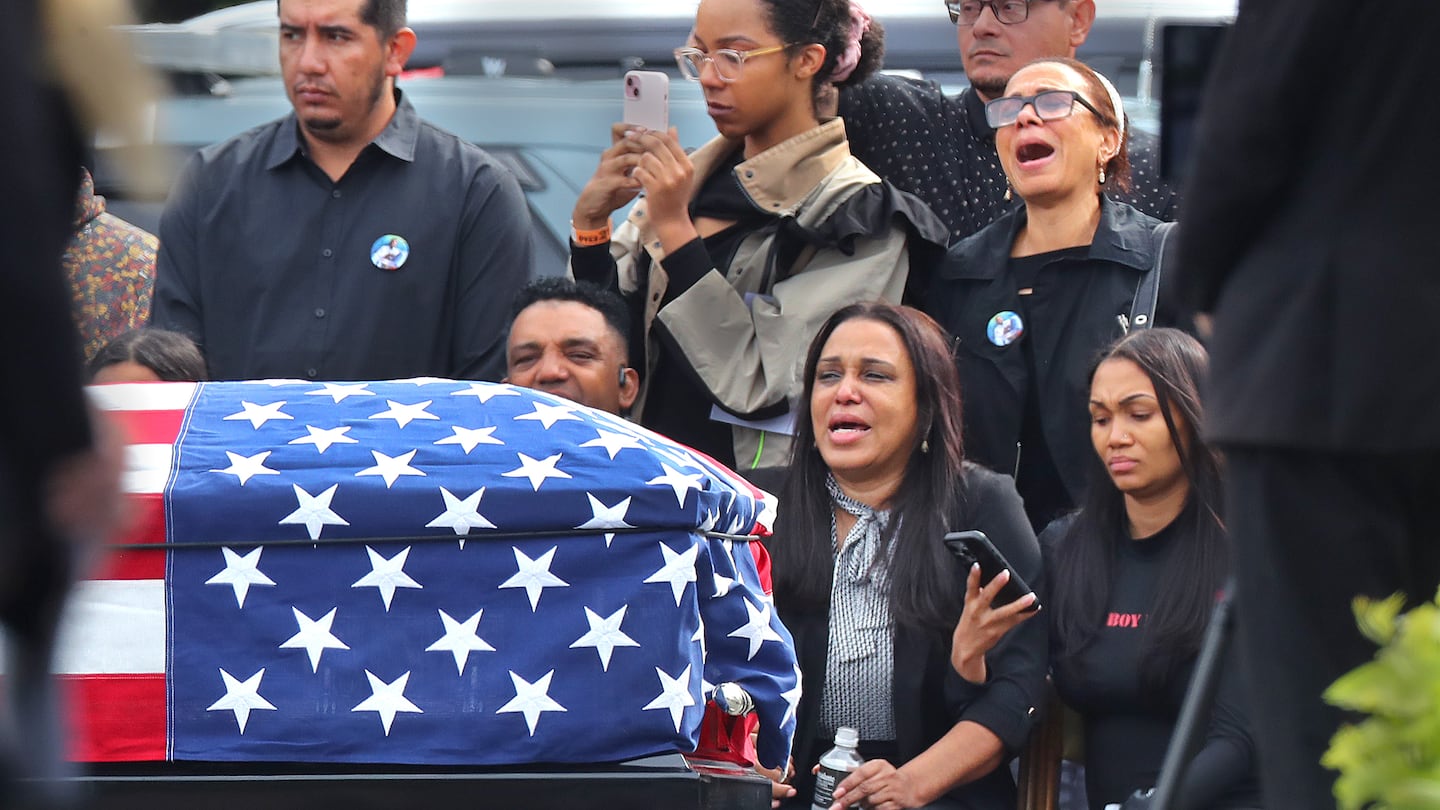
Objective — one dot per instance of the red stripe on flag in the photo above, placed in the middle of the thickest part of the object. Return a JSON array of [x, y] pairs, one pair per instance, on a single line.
[[150, 427], [123, 717], [148, 526]]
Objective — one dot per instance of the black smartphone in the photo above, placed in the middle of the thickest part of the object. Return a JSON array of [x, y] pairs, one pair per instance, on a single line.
[[974, 547]]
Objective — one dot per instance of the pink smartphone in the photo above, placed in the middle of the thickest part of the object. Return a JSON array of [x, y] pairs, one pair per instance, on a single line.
[[647, 99]]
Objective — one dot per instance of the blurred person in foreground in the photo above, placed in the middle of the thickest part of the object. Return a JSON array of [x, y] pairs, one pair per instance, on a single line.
[[1310, 238], [869, 590], [741, 249], [59, 470], [1035, 295]]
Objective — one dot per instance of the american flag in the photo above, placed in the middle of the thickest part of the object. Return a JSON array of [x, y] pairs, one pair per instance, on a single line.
[[418, 572]]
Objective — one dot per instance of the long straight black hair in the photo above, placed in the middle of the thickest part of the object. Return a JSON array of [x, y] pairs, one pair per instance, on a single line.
[[1083, 565], [923, 593]]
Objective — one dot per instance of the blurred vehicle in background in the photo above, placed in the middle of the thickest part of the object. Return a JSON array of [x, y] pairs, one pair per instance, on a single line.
[[538, 84], [549, 132], [601, 40]]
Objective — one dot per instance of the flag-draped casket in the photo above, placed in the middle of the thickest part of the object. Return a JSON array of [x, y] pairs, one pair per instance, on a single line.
[[421, 571]]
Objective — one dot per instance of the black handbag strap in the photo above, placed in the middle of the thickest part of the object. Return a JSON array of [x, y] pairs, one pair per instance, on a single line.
[[1147, 292]]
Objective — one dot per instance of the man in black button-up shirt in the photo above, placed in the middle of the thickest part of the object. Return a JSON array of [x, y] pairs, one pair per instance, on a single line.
[[348, 240]]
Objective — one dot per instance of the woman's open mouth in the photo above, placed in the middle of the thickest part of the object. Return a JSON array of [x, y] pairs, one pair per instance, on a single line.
[[1034, 153], [847, 428]]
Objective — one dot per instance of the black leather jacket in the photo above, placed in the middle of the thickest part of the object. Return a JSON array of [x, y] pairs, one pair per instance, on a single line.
[[1081, 305]]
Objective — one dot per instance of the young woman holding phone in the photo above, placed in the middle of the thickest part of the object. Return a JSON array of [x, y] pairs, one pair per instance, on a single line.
[[739, 251]]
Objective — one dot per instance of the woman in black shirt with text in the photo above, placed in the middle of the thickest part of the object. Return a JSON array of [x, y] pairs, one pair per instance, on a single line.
[[1134, 576]]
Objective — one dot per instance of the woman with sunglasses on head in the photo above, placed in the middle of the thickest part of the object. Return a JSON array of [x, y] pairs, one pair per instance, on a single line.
[[739, 251], [1032, 297], [1133, 578]]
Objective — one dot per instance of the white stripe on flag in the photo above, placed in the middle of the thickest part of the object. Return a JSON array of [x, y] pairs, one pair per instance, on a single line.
[[113, 627], [147, 466], [142, 396]]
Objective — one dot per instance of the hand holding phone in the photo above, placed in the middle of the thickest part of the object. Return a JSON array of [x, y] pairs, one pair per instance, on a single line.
[[974, 547], [982, 626], [647, 99]]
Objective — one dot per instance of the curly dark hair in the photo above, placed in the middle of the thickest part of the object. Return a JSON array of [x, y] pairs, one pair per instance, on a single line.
[[561, 288], [827, 23]]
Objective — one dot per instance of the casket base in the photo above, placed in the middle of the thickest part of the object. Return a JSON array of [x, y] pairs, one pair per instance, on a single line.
[[665, 781]]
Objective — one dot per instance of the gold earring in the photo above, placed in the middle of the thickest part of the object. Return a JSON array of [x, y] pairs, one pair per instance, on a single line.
[[1007, 191], [1102, 175]]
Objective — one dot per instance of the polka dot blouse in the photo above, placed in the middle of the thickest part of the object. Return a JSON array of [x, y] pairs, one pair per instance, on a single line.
[[940, 149]]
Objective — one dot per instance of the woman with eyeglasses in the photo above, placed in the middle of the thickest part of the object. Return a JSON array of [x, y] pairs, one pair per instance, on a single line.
[[1133, 579], [739, 251], [1032, 297]]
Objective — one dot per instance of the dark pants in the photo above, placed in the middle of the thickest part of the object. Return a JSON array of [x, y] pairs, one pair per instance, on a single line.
[[1311, 531]]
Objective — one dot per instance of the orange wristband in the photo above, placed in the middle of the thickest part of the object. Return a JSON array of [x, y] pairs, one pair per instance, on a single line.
[[590, 238]]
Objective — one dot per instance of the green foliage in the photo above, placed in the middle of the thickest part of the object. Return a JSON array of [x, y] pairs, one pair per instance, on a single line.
[[1391, 760]]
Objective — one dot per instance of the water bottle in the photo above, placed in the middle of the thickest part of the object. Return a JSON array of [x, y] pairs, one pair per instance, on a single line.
[[835, 765]]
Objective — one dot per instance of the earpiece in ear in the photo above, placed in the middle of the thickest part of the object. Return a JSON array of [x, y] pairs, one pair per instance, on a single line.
[[623, 369]]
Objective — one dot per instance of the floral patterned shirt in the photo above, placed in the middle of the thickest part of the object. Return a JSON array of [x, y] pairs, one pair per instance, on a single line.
[[110, 264]]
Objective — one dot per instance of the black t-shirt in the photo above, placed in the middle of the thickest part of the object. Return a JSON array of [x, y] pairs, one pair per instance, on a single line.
[[1127, 728]]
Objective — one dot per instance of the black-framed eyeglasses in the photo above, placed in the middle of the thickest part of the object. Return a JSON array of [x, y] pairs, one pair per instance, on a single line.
[[729, 63], [1049, 105], [966, 12]]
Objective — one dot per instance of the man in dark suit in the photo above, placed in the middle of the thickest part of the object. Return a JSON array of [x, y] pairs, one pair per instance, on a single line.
[[1310, 235]]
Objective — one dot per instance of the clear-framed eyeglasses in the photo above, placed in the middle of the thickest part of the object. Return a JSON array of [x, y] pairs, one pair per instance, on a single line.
[[1049, 105], [729, 63], [967, 12]]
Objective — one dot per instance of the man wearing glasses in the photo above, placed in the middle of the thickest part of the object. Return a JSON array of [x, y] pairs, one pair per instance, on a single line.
[[940, 147]]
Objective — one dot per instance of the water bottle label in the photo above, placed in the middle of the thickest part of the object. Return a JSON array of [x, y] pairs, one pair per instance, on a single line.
[[825, 782]]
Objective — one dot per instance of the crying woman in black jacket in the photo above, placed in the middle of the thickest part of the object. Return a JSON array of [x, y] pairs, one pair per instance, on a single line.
[[867, 587], [1033, 297]]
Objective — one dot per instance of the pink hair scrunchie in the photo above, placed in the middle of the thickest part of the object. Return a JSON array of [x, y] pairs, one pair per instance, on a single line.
[[846, 62]]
